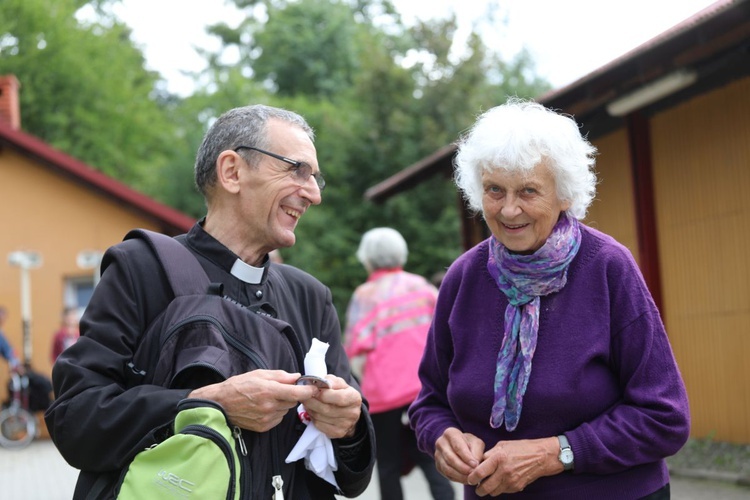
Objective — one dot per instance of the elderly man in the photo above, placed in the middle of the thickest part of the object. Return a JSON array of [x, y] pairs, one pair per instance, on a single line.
[[258, 171]]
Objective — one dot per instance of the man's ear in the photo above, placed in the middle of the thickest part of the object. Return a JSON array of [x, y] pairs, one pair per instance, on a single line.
[[228, 171]]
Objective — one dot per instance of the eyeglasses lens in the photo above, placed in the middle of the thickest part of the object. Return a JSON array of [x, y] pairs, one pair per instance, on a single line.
[[303, 172]]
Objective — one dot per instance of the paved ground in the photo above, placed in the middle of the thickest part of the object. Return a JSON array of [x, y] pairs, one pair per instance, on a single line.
[[415, 488], [39, 473]]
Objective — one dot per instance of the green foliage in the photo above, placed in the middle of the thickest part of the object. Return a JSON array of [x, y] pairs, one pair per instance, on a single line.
[[84, 88], [309, 48], [380, 95]]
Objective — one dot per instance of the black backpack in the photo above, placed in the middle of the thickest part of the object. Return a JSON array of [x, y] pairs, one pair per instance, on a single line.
[[203, 337]]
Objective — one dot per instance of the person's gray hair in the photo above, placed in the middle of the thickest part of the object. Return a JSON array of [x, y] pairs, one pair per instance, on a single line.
[[245, 126], [382, 248], [518, 136]]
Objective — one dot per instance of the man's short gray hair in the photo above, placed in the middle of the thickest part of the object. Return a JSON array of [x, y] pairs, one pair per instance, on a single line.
[[245, 126]]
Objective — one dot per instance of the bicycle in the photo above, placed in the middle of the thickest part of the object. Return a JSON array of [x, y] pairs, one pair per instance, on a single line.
[[18, 426]]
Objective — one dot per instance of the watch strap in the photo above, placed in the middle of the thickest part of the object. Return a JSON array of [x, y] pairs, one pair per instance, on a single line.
[[565, 449], [563, 441]]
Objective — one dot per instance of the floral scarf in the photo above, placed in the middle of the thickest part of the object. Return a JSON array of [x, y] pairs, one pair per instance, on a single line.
[[523, 279]]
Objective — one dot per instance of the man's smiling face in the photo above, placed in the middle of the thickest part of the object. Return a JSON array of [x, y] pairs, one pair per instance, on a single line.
[[272, 199]]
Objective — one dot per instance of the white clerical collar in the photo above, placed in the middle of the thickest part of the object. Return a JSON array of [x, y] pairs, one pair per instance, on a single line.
[[246, 272]]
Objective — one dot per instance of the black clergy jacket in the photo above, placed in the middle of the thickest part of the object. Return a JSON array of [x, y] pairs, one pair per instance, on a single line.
[[100, 420]]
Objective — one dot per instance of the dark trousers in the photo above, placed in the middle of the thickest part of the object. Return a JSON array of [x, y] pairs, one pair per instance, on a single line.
[[660, 494], [396, 447]]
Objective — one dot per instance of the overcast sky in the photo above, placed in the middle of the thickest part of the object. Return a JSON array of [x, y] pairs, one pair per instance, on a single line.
[[567, 38]]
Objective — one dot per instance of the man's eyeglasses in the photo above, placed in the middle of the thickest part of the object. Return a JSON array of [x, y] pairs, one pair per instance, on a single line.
[[302, 171]]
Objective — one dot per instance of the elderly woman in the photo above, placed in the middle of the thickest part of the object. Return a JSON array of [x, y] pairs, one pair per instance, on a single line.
[[386, 330], [547, 371]]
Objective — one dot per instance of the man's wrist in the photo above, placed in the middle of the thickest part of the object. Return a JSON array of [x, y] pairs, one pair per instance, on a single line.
[[356, 433], [354, 451]]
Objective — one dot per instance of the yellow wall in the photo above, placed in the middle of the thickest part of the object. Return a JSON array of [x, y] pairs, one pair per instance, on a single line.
[[701, 159], [48, 213], [613, 210]]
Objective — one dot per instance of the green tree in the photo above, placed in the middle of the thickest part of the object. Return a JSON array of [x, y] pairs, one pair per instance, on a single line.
[[381, 95], [84, 88], [317, 41]]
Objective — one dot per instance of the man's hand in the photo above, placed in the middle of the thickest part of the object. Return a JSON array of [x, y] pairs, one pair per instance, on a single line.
[[457, 454], [510, 466], [259, 399], [335, 411]]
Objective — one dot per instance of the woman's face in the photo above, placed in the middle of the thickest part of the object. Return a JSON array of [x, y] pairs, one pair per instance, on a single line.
[[521, 208]]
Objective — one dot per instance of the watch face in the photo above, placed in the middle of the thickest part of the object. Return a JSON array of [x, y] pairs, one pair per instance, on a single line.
[[566, 456]]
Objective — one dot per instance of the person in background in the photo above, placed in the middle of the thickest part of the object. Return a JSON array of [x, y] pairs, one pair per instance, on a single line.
[[39, 386], [258, 170], [547, 372], [386, 328], [6, 350], [68, 333]]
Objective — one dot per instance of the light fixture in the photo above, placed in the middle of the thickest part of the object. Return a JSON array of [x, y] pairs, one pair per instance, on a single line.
[[90, 259], [25, 260], [652, 92]]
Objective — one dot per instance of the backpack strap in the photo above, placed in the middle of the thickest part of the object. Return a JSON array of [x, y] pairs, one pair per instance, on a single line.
[[184, 272]]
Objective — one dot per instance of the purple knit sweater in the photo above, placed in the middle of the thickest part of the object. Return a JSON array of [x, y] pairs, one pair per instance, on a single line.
[[603, 373]]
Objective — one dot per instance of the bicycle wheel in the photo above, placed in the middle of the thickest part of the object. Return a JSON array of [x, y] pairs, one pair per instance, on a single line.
[[17, 428]]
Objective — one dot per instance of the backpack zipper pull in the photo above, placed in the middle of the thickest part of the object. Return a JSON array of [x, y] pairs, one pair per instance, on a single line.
[[277, 483], [237, 432]]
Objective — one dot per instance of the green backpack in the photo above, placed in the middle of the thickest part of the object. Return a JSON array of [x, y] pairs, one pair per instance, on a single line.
[[198, 461]]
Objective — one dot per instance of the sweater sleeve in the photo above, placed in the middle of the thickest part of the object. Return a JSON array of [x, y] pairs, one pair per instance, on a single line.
[[98, 420], [651, 420]]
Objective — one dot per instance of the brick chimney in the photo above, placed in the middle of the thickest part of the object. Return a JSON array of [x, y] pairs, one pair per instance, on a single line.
[[10, 110]]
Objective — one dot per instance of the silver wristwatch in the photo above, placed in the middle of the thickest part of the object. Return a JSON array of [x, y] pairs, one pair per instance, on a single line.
[[566, 453]]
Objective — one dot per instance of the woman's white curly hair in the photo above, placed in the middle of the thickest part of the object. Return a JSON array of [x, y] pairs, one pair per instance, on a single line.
[[518, 136]]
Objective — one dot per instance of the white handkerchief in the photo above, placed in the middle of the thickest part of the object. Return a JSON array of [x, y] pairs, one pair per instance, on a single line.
[[317, 450], [314, 446]]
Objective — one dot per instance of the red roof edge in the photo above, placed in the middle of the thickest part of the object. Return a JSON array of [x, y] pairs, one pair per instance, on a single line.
[[36, 148]]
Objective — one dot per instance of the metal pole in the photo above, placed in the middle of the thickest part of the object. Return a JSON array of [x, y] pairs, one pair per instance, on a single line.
[[26, 313], [25, 261]]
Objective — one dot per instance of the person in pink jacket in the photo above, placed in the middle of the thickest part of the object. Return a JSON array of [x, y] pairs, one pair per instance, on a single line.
[[386, 329]]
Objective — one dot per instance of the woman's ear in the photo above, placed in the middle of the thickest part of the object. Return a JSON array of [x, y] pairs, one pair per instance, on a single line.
[[228, 166]]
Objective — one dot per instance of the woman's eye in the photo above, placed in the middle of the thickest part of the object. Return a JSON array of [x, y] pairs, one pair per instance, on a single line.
[[529, 190]]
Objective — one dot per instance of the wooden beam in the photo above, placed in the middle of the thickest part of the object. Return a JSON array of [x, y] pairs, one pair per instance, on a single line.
[[639, 138]]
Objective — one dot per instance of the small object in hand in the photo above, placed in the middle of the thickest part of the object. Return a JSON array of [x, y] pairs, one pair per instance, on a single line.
[[313, 380]]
